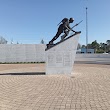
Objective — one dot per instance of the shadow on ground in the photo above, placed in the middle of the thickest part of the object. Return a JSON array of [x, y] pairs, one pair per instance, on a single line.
[[25, 73]]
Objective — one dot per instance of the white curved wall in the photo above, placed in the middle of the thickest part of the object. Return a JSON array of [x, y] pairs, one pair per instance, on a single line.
[[36, 53], [22, 52]]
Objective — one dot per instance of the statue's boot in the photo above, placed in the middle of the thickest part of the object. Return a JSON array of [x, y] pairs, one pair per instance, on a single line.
[[63, 37], [51, 42]]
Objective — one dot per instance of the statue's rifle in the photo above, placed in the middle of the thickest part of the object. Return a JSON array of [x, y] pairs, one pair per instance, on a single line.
[[76, 24]]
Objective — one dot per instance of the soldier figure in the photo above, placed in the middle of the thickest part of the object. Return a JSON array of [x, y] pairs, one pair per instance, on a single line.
[[64, 27]]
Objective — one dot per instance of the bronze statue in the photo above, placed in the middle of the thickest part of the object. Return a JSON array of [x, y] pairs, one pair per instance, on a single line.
[[63, 28]]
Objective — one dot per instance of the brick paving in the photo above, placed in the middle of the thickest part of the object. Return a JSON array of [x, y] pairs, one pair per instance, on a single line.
[[87, 89]]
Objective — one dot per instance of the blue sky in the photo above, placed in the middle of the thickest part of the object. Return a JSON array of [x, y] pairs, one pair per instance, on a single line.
[[29, 21]]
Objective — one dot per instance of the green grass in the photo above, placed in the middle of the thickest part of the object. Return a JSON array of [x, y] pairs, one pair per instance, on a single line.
[[21, 62]]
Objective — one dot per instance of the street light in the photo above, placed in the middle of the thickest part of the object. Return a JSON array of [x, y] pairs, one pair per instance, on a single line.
[[86, 31]]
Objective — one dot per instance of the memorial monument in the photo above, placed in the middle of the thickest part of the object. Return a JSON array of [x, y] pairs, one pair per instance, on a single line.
[[60, 56]]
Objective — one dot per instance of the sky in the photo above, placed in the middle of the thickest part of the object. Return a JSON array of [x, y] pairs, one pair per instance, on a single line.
[[30, 21]]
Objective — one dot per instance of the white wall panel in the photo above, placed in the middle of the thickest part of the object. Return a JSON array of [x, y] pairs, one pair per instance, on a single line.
[[22, 52], [36, 53]]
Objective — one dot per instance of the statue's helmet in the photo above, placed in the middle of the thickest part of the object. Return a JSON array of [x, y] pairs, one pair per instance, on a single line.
[[71, 20]]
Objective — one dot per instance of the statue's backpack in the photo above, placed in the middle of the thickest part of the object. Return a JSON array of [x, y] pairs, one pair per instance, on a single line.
[[64, 20]]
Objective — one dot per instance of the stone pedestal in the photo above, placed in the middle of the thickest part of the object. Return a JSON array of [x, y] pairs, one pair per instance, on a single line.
[[60, 58]]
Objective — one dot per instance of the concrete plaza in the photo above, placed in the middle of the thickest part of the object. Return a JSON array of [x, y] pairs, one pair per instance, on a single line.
[[21, 88]]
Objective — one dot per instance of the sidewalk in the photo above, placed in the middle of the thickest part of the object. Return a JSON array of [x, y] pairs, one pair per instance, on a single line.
[[87, 89]]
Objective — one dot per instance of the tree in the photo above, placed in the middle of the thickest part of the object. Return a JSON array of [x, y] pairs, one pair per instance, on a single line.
[[99, 47], [103, 46], [83, 46], [108, 42], [89, 46], [95, 45], [42, 41], [3, 40], [108, 46]]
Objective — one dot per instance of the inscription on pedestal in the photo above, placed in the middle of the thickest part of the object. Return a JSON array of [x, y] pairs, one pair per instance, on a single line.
[[67, 59], [51, 59], [59, 59]]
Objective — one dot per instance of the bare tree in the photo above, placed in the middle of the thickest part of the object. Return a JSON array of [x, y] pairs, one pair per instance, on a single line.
[[3, 40]]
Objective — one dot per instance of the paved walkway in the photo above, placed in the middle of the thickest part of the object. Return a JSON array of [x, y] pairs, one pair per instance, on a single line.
[[87, 89]]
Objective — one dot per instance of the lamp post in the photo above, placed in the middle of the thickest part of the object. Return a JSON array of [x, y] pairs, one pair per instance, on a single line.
[[86, 31]]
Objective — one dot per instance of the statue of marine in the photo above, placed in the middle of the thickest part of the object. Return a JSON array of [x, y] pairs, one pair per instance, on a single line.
[[63, 28]]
